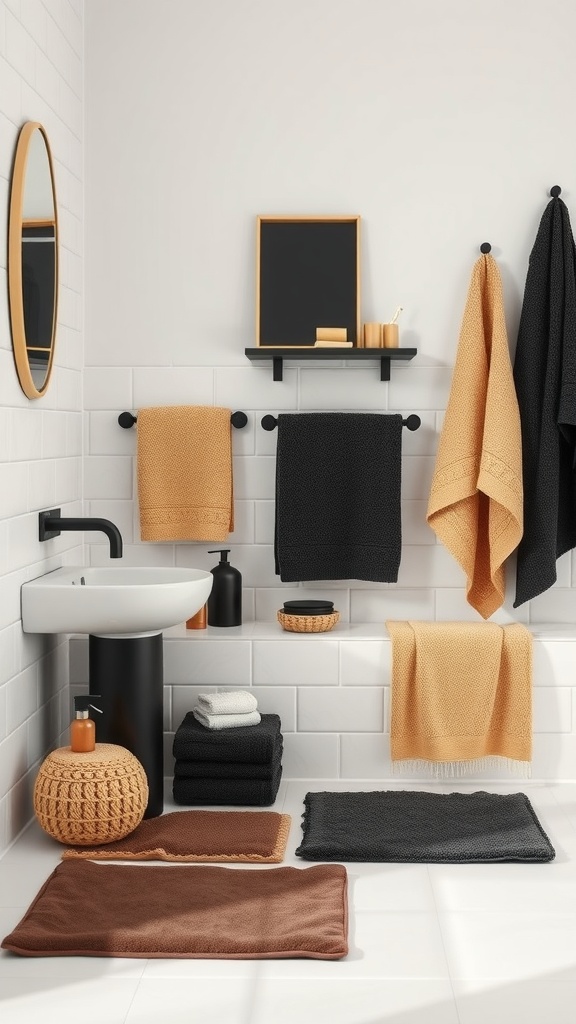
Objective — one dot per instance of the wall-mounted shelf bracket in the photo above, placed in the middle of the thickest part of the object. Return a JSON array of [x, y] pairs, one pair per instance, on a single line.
[[279, 355], [384, 368]]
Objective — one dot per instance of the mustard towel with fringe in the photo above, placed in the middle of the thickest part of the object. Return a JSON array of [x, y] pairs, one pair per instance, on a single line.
[[184, 468], [476, 499], [461, 696]]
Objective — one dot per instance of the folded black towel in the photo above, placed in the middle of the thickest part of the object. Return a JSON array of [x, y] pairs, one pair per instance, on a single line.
[[545, 377], [247, 744], [247, 792], [338, 481], [228, 769]]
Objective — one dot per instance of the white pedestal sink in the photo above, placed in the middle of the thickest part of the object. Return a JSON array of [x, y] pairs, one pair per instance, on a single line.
[[124, 609], [114, 600]]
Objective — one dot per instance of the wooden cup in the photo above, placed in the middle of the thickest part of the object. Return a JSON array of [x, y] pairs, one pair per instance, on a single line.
[[390, 335], [372, 335]]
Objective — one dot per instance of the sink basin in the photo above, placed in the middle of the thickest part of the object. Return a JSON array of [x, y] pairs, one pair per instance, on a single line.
[[123, 600]]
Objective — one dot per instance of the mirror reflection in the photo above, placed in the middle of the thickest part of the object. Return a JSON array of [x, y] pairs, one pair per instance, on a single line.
[[33, 260]]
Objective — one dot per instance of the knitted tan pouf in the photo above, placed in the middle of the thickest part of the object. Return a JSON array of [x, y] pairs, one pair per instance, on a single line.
[[90, 799]]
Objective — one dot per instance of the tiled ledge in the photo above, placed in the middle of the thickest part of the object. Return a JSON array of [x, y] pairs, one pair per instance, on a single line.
[[332, 692], [342, 631], [273, 631]]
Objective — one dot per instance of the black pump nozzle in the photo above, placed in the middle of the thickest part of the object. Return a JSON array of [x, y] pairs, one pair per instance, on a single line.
[[81, 704], [223, 552]]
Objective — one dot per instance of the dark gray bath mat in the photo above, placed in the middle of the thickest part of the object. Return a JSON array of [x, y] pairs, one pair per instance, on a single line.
[[455, 828]]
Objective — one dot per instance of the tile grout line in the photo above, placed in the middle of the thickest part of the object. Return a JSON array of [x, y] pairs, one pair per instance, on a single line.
[[444, 950], [134, 994]]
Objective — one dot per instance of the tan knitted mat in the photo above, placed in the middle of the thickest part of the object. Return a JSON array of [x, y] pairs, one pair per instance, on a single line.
[[222, 836]]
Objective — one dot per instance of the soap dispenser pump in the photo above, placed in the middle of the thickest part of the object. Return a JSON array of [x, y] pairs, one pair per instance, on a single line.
[[225, 600], [82, 728]]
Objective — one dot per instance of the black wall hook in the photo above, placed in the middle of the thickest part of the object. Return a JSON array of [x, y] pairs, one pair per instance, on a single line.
[[412, 422], [127, 420], [485, 248], [555, 191]]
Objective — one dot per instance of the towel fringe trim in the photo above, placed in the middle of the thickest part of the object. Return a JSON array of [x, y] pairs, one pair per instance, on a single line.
[[460, 769]]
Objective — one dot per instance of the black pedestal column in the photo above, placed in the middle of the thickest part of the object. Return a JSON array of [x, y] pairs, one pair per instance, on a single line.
[[129, 676]]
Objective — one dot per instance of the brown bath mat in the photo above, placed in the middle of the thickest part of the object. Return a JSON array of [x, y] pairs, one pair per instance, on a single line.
[[234, 836], [186, 911]]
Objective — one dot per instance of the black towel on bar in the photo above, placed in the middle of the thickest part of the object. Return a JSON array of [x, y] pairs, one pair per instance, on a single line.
[[545, 378], [228, 769], [245, 744], [338, 481], [247, 792]]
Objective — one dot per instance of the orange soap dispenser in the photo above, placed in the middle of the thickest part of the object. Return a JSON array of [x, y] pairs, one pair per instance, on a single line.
[[82, 728]]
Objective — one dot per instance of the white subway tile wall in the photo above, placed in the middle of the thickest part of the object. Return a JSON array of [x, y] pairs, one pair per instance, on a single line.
[[333, 696], [41, 79]]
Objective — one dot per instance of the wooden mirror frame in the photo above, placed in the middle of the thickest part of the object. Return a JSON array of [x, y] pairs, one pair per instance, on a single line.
[[15, 294]]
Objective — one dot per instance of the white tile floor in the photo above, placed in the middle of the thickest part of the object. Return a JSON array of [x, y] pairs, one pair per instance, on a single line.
[[429, 944]]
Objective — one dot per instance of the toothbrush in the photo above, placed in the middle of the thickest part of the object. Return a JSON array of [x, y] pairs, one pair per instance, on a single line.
[[396, 314]]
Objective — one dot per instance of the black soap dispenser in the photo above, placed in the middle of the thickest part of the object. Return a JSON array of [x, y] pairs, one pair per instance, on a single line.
[[225, 600]]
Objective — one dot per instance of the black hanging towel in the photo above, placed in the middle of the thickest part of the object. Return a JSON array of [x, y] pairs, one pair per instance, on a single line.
[[338, 481], [545, 377]]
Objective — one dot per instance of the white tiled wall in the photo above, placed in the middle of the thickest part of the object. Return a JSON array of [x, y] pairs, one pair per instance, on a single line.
[[196, 124], [430, 583], [171, 254], [41, 47], [333, 694]]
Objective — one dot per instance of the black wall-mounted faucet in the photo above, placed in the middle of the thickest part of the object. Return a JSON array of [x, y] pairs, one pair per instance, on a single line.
[[51, 524]]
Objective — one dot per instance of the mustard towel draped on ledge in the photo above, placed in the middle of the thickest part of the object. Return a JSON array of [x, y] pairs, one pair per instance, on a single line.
[[461, 696], [476, 499], [185, 473]]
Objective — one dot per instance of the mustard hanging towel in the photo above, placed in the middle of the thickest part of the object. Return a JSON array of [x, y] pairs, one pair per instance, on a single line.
[[185, 473], [461, 697], [476, 500]]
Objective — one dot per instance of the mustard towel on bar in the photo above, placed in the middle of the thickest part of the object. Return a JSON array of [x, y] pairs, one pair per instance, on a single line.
[[461, 697], [185, 473], [476, 499]]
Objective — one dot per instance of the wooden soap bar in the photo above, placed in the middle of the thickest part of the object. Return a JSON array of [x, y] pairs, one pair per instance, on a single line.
[[331, 334]]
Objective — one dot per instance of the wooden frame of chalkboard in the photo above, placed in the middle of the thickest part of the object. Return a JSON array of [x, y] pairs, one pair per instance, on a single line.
[[307, 276]]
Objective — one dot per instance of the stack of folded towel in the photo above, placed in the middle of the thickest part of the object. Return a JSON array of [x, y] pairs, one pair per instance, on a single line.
[[227, 765], [226, 710]]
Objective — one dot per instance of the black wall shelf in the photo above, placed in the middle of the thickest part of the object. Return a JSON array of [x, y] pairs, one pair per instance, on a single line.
[[382, 355]]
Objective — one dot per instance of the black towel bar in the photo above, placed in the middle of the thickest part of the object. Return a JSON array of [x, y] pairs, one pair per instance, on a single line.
[[237, 419], [412, 422]]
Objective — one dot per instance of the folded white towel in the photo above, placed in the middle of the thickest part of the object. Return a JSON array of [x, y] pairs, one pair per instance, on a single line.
[[235, 702], [225, 721]]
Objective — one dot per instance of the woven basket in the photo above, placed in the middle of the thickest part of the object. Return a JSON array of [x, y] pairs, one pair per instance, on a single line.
[[307, 623], [93, 798]]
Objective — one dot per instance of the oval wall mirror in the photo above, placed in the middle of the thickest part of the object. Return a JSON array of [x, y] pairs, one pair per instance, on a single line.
[[33, 260]]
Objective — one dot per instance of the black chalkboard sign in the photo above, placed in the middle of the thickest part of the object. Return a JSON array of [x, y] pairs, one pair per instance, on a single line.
[[308, 274]]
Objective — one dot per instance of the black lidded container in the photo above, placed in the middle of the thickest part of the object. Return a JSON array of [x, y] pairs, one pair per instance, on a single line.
[[309, 607], [225, 600]]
